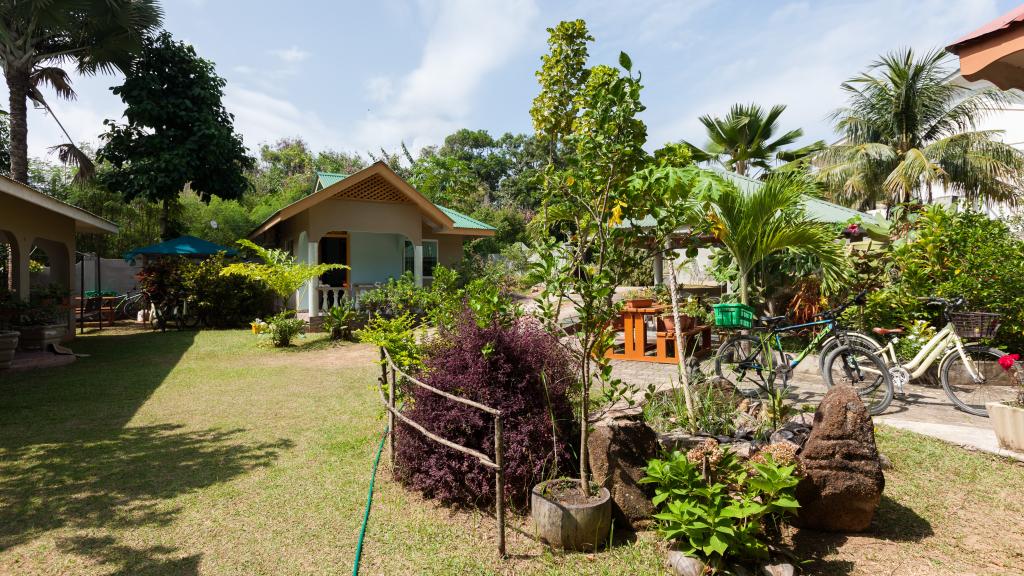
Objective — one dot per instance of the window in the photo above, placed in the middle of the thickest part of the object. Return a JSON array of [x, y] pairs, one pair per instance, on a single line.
[[429, 258]]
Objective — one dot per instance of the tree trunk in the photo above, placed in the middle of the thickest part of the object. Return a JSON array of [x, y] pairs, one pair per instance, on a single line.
[[18, 86], [585, 424], [744, 297], [684, 376], [165, 219]]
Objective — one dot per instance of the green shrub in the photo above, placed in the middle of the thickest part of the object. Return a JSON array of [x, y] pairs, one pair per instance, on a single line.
[[715, 507], [224, 301], [398, 335], [282, 328], [339, 319]]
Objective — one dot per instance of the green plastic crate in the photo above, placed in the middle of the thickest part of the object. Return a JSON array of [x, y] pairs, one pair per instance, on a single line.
[[734, 316]]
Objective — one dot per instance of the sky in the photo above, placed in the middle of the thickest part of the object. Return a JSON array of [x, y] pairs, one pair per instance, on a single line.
[[361, 76]]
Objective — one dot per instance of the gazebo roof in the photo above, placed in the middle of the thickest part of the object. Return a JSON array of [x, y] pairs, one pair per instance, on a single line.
[[181, 246]]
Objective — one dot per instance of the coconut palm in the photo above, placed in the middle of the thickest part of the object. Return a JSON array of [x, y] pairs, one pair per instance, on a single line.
[[37, 37], [744, 140], [770, 220], [907, 129]]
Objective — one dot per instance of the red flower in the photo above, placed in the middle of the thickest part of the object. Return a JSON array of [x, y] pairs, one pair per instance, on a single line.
[[1007, 360]]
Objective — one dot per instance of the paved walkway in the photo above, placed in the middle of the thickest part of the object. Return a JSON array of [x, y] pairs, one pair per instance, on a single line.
[[924, 408]]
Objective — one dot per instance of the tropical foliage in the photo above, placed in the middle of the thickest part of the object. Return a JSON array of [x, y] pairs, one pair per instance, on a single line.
[[908, 131], [279, 271], [37, 38], [745, 140]]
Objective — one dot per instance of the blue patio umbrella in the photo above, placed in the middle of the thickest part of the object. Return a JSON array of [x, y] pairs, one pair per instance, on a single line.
[[181, 246]]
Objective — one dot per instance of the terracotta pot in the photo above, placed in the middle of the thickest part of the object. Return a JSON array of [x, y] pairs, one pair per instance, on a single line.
[[669, 323], [640, 302], [1008, 422], [8, 344], [40, 337], [687, 322], [570, 526]]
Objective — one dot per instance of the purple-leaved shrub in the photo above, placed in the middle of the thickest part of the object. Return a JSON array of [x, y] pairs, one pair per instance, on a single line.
[[515, 367]]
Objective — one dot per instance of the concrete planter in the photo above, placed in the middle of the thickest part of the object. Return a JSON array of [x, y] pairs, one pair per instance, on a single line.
[[8, 344], [1008, 422], [571, 526], [40, 337]]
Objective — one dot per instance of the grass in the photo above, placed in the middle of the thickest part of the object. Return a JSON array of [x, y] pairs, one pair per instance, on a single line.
[[201, 453]]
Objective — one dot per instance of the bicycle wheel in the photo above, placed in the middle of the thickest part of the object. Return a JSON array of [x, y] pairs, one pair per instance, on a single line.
[[741, 360], [968, 393], [850, 338], [863, 370]]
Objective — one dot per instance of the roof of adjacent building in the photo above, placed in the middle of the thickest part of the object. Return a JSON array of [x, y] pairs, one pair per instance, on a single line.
[[181, 246], [327, 184], [85, 221], [816, 208], [1005, 22]]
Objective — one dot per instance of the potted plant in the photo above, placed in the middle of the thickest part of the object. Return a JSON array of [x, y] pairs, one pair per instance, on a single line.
[[639, 298], [338, 320], [1008, 417], [40, 326]]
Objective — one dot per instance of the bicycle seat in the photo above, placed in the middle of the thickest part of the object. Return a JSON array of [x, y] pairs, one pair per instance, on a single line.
[[886, 331], [771, 319]]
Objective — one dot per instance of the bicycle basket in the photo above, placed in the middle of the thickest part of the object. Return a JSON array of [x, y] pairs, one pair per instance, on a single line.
[[975, 325], [733, 316]]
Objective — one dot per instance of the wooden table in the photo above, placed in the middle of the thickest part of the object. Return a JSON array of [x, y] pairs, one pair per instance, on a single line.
[[635, 341]]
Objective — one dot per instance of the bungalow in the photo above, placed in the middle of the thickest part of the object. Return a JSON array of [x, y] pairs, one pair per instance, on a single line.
[[374, 222], [36, 225]]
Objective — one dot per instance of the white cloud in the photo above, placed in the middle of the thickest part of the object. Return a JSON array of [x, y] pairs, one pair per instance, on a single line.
[[467, 40], [804, 51], [292, 55], [263, 118], [379, 88]]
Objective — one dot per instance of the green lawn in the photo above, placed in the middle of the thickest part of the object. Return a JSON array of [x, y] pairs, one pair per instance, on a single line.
[[201, 453]]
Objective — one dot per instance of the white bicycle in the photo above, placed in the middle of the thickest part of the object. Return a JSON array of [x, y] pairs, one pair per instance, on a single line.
[[970, 373]]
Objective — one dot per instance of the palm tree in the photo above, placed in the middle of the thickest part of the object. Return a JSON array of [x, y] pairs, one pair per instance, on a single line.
[[907, 129], [38, 36], [769, 220], [744, 140]]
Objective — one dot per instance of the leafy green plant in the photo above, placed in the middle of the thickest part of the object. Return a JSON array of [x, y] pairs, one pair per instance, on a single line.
[[282, 328], [917, 334], [718, 508], [281, 273], [338, 320], [398, 336]]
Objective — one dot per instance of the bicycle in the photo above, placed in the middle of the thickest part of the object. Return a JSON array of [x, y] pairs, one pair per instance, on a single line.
[[129, 304], [747, 360], [175, 309], [970, 374]]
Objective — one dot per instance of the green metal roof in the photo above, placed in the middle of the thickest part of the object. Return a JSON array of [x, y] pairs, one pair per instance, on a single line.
[[325, 179], [463, 221], [817, 209]]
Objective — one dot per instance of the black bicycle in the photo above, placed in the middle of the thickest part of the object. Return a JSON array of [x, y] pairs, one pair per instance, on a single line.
[[752, 362]]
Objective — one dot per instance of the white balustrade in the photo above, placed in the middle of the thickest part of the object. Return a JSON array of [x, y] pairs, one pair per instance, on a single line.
[[330, 296]]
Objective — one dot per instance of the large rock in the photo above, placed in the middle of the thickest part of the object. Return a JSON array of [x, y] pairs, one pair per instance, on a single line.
[[619, 449], [843, 479]]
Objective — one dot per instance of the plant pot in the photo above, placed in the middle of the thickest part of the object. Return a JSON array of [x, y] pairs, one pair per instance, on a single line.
[[687, 323], [669, 323], [8, 344], [1008, 422], [571, 526], [640, 302], [41, 336]]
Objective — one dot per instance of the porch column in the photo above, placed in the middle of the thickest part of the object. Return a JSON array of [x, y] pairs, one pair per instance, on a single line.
[[313, 284], [659, 275], [22, 282], [417, 263]]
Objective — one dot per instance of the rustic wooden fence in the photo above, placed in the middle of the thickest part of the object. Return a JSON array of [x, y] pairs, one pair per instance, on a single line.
[[390, 374]]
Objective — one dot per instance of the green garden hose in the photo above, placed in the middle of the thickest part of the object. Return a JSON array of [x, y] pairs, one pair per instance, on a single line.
[[369, 502]]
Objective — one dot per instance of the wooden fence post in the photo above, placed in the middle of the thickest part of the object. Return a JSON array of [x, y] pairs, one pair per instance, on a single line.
[[499, 484], [391, 417]]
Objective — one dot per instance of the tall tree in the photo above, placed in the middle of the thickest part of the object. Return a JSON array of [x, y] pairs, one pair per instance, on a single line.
[[907, 129], [177, 130], [36, 36], [745, 139]]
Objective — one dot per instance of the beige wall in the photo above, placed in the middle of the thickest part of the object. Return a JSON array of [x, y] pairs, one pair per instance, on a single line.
[[449, 248], [27, 224]]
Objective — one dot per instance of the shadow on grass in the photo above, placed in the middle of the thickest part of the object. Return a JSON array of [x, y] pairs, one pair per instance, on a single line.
[[67, 459], [893, 522]]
